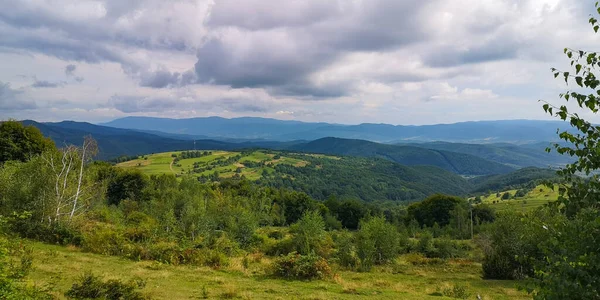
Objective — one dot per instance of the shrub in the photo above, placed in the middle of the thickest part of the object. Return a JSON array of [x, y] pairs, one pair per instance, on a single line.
[[297, 266], [90, 286], [377, 242], [104, 239], [509, 240], [309, 233], [418, 259], [456, 291], [346, 251], [279, 247]]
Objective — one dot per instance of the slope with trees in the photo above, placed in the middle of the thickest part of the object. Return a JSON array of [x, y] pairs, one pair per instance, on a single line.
[[458, 163]]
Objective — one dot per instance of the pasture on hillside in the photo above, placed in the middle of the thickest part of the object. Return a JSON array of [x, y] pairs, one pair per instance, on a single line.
[[250, 164], [534, 198]]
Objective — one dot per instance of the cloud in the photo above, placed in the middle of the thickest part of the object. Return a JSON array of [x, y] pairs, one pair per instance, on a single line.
[[12, 100], [47, 84], [281, 50], [134, 104], [70, 69], [342, 61]]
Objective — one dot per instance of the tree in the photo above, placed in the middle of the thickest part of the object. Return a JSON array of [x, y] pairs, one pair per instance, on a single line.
[[309, 232], [67, 167], [18, 142], [436, 208], [377, 242], [570, 265], [126, 185]]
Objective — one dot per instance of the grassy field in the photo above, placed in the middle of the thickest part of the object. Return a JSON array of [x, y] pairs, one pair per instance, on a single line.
[[58, 267], [162, 163], [538, 196]]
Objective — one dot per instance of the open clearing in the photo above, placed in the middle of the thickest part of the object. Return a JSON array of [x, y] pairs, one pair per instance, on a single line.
[[58, 267], [537, 197], [249, 164]]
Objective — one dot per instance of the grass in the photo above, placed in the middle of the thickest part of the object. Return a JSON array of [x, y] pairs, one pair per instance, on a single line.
[[160, 163], [537, 197], [58, 267]]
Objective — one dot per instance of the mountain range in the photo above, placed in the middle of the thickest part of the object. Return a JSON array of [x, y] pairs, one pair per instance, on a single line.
[[481, 132], [459, 158]]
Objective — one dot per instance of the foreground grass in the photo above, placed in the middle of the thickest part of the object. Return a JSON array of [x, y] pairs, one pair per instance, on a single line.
[[58, 267]]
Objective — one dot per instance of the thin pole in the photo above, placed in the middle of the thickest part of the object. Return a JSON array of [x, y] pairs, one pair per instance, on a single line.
[[471, 206]]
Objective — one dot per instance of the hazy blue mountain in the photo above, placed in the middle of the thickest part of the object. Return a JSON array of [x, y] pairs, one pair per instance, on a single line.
[[115, 142], [238, 128], [458, 163], [530, 155], [512, 131]]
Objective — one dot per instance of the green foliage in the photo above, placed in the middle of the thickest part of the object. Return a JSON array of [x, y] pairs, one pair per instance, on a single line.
[[456, 291], [434, 209], [126, 185], [570, 263], [377, 242], [304, 267], [510, 244], [18, 142], [309, 234], [346, 250], [571, 258], [16, 261], [519, 179], [90, 286]]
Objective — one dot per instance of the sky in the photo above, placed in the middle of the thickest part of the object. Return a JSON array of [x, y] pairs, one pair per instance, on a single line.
[[339, 61]]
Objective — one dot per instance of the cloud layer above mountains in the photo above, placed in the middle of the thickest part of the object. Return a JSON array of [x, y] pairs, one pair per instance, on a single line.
[[345, 61]]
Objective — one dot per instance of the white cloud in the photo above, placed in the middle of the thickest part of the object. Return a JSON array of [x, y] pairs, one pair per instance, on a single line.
[[348, 61]]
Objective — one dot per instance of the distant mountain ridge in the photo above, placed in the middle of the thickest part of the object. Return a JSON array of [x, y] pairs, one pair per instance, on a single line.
[[464, 159], [520, 156], [511, 131], [458, 163], [116, 142]]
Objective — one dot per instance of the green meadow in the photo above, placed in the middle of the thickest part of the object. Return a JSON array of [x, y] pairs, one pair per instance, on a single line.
[[248, 164], [411, 277]]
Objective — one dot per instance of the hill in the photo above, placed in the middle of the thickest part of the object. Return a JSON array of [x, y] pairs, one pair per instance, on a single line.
[[512, 131], [318, 175], [516, 179], [531, 155], [117, 142], [321, 176], [530, 198], [458, 163]]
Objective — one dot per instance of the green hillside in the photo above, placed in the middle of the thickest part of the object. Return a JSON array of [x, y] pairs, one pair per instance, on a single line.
[[320, 176], [516, 179], [533, 155], [459, 163], [532, 199]]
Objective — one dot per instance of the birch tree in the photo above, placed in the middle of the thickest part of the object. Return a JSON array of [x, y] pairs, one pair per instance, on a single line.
[[71, 191]]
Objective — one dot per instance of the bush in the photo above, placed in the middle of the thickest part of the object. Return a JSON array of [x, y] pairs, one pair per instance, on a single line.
[[310, 235], [510, 244], [90, 286], [104, 239], [377, 242], [346, 251], [306, 267], [456, 291], [55, 233]]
